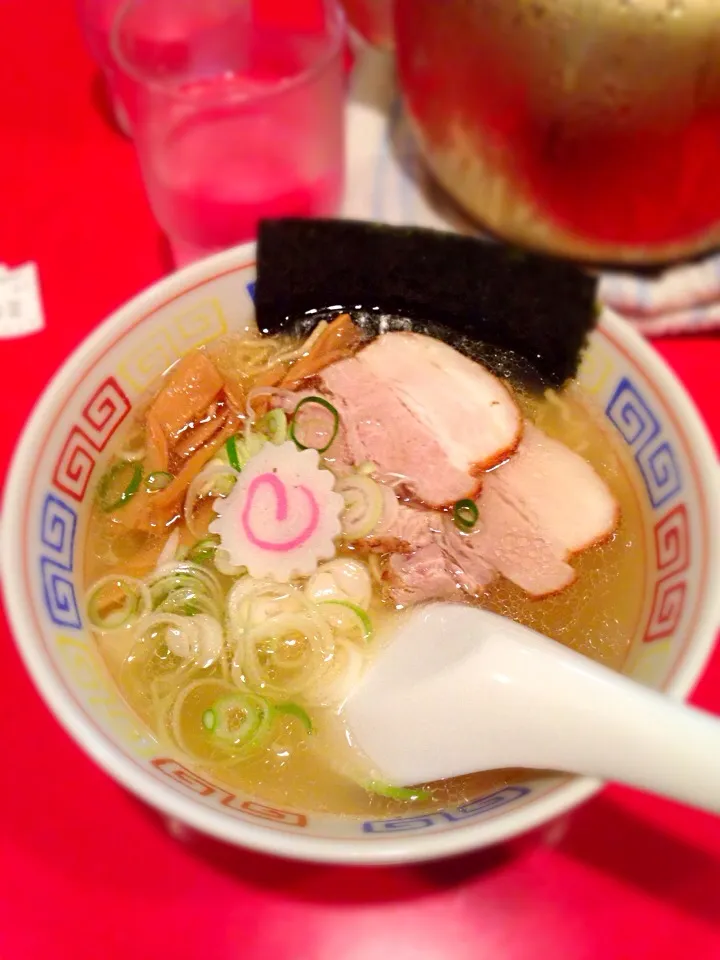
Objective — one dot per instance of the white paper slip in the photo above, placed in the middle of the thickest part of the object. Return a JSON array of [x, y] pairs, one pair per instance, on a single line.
[[21, 309]]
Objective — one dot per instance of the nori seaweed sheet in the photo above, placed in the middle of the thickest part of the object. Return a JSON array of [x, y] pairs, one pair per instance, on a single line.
[[469, 291]]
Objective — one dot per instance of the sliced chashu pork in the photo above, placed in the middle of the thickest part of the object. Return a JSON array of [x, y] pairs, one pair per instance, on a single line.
[[440, 569], [458, 400], [425, 575], [558, 490], [378, 427], [512, 542], [422, 411], [545, 504], [403, 528]]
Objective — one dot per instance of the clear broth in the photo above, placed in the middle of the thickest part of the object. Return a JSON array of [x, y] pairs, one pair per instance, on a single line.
[[598, 615]]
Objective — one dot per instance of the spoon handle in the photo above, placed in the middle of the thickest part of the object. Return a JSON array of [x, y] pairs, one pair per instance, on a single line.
[[597, 722], [662, 747]]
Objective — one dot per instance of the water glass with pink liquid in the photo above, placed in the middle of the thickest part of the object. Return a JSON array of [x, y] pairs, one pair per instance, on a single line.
[[96, 19], [237, 113]]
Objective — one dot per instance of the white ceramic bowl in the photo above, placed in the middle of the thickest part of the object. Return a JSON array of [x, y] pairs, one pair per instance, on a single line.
[[45, 515]]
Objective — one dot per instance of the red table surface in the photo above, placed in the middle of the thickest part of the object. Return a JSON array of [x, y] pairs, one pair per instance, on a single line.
[[86, 871]]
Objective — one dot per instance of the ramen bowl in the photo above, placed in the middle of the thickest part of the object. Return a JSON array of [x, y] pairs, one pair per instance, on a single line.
[[64, 449]]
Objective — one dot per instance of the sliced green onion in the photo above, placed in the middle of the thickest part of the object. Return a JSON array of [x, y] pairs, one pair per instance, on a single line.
[[341, 579], [223, 485], [111, 493], [396, 793], [363, 505], [158, 480], [252, 444], [465, 514], [232, 453], [252, 602], [295, 710], [187, 602], [194, 637], [322, 402], [274, 425], [172, 635], [216, 478], [163, 586], [116, 601], [348, 617], [204, 550], [239, 450], [136, 450], [209, 720], [221, 560], [240, 719], [183, 583], [285, 655]]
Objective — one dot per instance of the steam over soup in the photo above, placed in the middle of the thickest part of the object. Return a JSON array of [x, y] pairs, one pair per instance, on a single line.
[[275, 504]]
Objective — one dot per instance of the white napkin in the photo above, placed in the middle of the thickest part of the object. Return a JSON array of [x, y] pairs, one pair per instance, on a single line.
[[21, 309], [387, 182]]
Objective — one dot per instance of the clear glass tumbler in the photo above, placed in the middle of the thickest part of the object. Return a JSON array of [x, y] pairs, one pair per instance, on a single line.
[[96, 18], [237, 113]]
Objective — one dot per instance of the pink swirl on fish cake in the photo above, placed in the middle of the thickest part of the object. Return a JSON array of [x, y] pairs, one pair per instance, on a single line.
[[281, 513], [282, 516]]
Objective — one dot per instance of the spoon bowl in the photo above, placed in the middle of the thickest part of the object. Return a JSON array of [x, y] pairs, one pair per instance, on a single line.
[[459, 689]]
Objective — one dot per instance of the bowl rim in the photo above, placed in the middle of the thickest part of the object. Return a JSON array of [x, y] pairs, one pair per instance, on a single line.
[[395, 849]]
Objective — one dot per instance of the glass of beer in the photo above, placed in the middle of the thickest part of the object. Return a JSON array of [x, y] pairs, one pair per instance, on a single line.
[[586, 128]]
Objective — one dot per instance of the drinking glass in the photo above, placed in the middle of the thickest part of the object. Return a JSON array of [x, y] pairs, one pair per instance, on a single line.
[[237, 113], [95, 18], [589, 128]]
